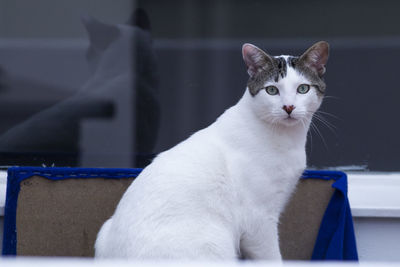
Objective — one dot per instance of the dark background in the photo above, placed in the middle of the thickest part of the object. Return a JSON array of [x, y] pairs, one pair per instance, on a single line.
[[203, 56], [199, 66]]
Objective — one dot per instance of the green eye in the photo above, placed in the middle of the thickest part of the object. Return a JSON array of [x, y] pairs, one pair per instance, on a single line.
[[272, 90], [303, 88]]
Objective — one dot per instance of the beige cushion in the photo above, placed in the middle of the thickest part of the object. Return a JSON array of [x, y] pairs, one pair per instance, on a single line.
[[302, 217], [62, 217]]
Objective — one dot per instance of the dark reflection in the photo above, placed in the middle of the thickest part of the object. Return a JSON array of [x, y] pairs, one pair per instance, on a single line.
[[2, 74], [111, 116], [112, 120], [147, 103]]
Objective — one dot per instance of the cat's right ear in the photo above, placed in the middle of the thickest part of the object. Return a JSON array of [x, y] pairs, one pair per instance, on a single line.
[[256, 60], [101, 35], [316, 57]]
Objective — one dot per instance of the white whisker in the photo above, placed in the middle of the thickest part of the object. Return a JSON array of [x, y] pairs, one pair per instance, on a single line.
[[320, 118], [314, 127], [306, 121], [326, 123], [320, 135], [328, 114], [328, 97]]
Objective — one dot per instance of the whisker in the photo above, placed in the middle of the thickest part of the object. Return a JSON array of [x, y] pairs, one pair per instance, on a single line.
[[304, 121], [319, 134], [309, 132], [327, 113], [331, 97], [329, 125], [324, 121], [314, 127]]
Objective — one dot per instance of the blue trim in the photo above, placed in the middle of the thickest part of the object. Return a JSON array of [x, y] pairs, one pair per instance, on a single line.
[[336, 239], [17, 174], [325, 175]]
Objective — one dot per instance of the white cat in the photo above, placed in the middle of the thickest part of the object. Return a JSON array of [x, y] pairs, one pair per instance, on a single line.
[[219, 194]]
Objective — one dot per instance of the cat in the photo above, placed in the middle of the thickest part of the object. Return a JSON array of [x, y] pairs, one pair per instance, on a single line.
[[218, 195]]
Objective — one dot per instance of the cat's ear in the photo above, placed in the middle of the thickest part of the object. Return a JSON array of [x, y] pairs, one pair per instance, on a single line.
[[101, 35], [316, 57], [256, 60]]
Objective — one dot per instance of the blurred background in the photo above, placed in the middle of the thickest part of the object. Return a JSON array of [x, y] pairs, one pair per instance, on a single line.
[[101, 83]]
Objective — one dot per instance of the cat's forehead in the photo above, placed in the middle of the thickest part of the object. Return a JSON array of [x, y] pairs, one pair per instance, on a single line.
[[285, 65], [288, 75], [282, 68], [286, 70]]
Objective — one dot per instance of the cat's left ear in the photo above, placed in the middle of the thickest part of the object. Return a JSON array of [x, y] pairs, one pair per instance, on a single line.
[[316, 57]]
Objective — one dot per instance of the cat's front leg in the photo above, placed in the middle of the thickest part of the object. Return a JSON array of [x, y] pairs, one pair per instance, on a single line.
[[261, 243]]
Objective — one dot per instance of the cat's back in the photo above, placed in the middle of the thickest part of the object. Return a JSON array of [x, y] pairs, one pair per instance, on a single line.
[[193, 165], [176, 193]]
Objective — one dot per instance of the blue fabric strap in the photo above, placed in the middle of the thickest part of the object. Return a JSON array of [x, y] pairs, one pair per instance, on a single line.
[[336, 239]]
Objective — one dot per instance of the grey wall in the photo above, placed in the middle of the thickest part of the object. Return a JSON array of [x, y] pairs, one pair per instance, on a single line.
[[272, 18]]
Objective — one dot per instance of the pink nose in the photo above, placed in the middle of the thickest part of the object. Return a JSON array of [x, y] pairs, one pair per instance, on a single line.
[[288, 109]]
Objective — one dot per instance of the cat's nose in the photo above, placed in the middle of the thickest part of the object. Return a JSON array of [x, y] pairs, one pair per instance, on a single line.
[[288, 109]]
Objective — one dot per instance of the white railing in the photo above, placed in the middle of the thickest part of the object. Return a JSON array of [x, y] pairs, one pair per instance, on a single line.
[[78, 262], [374, 194]]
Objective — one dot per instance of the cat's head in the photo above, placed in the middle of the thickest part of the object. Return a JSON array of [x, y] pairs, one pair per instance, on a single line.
[[286, 90]]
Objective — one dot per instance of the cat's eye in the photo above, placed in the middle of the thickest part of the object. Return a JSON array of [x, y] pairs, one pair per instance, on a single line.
[[272, 90], [303, 88]]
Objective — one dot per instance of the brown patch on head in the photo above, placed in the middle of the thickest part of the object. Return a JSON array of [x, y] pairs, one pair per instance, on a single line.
[[256, 82], [315, 80], [262, 67], [277, 70]]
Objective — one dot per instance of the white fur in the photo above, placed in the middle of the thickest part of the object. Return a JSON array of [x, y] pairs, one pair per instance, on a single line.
[[219, 193]]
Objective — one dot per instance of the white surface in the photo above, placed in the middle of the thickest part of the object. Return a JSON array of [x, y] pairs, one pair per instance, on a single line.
[[375, 205], [3, 187], [60, 262], [374, 194], [377, 239]]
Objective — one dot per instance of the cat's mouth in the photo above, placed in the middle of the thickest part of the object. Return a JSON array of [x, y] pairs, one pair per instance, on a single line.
[[290, 120]]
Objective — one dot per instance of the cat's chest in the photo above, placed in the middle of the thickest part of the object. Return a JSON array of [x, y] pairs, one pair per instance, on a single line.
[[266, 181], [276, 170]]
